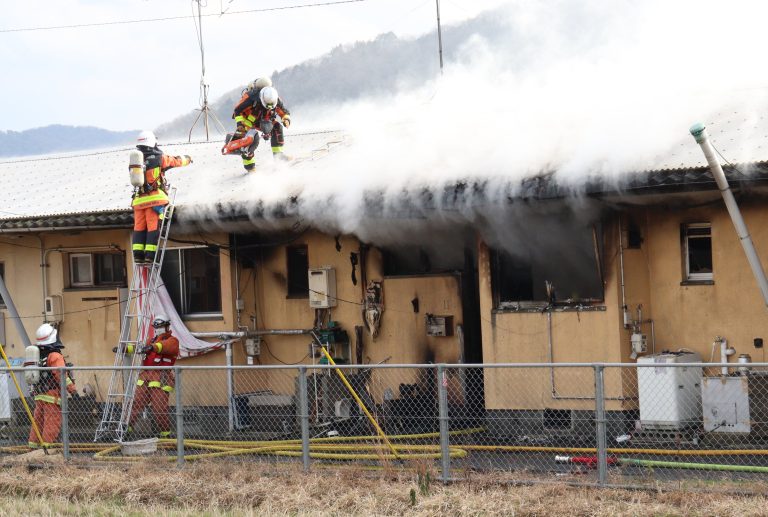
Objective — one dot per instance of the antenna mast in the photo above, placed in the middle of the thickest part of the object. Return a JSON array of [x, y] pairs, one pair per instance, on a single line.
[[205, 109], [439, 37]]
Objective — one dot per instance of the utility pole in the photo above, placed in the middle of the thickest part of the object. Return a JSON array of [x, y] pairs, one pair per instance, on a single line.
[[205, 110], [439, 37]]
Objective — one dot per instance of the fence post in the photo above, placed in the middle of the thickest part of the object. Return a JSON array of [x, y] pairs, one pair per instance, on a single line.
[[179, 419], [442, 391], [304, 416], [64, 412], [602, 453]]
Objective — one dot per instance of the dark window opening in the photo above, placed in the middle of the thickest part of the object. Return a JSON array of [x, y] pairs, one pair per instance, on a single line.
[[697, 251], [557, 418], [192, 277], [561, 271], [97, 269], [634, 237], [298, 271]]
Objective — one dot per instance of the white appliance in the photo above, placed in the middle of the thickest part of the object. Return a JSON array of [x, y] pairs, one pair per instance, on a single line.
[[322, 287], [670, 396], [737, 404]]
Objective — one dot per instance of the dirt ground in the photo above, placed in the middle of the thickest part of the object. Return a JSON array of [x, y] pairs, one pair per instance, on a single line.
[[237, 489]]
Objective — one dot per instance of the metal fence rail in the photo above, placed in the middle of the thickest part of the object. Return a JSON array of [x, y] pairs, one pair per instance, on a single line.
[[688, 425]]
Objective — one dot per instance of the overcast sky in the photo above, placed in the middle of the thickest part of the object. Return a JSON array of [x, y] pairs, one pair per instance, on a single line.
[[143, 74]]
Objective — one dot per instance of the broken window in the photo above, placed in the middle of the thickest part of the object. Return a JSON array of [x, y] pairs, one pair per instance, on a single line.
[[192, 277], [297, 258], [559, 271], [697, 251]]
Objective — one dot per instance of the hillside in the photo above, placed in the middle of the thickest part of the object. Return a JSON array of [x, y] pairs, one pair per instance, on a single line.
[[59, 138]]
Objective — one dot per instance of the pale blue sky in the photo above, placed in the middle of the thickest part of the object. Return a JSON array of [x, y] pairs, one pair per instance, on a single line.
[[141, 75]]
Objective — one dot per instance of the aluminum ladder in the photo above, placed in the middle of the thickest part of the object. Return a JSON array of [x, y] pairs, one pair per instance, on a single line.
[[134, 330]]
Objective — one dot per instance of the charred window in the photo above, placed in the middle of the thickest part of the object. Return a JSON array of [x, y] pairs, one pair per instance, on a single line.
[[193, 279], [553, 272], [697, 251], [634, 237], [297, 271]]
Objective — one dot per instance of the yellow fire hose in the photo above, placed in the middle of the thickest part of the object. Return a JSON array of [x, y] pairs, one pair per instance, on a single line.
[[24, 401], [359, 402]]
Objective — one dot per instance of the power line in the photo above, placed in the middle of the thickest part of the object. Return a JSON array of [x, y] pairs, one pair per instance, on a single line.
[[170, 18]]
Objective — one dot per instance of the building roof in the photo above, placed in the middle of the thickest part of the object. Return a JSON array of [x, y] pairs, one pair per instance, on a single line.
[[91, 190]]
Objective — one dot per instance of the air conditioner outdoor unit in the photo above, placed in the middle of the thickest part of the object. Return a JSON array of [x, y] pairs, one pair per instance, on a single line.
[[54, 309], [322, 287]]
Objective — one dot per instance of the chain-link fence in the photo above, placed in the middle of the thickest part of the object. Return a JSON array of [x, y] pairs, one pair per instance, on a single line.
[[656, 423]]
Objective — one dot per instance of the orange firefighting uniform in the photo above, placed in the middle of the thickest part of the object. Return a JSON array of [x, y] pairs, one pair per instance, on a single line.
[[154, 386], [149, 200], [48, 402], [249, 112]]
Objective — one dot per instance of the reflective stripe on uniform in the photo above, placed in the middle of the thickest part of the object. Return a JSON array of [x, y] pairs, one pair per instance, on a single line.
[[138, 247], [69, 381], [168, 389], [250, 161], [140, 382], [154, 384], [159, 195], [277, 149], [48, 398], [150, 247], [165, 434], [159, 347]]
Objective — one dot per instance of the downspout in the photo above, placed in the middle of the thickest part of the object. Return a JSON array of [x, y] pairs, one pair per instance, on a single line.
[[14, 313], [699, 132], [624, 310]]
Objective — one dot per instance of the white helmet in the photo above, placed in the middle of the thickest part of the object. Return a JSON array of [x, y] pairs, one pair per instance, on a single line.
[[146, 139], [261, 82], [160, 321], [46, 334], [268, 97]]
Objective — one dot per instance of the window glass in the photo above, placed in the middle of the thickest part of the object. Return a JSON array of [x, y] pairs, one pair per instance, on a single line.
[[110, 268], [193, 280], [80, 269], [698, 251]]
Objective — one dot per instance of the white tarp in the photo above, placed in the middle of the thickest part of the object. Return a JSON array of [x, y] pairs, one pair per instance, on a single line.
[[189, 345]]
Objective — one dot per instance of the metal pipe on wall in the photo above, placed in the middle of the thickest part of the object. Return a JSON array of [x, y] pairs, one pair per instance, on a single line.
[[225, 334], [699, 132]]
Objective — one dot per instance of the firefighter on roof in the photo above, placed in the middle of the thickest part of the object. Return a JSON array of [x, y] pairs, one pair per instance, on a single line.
[[257, 110], [154, 386], [150, 196], [45, 385]]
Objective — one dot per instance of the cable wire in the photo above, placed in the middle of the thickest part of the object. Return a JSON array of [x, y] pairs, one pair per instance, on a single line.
[[170, 18]]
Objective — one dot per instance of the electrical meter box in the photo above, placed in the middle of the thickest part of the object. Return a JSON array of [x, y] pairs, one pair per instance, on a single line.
[[54, 309], [439, 326], [322, 287]]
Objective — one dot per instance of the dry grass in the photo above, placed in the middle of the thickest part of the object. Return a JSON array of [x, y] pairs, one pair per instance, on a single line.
[[248, 489]]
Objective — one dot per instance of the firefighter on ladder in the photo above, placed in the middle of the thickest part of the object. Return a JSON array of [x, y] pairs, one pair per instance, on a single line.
[[46, 389], [150, 199], [154, 386], [257, 110]]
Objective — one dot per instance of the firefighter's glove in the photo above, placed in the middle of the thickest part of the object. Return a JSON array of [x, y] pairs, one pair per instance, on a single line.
[[286, 120], [146, 349]]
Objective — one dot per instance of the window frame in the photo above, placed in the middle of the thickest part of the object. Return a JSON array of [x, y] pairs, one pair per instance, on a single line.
[[183, 288], [93, 262], [2, 274], [688, 275]]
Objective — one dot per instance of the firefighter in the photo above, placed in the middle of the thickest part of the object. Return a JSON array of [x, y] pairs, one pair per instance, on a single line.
[[257, 110], [47, 391], [154, 386], [149, 199]]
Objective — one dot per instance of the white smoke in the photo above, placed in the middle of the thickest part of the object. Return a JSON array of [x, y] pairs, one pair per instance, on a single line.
[[594, 88]]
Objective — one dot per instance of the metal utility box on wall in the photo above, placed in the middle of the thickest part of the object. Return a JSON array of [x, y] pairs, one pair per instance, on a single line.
[[735, 404], [670, 396], [439, 326], [322, 287], [54, 308]]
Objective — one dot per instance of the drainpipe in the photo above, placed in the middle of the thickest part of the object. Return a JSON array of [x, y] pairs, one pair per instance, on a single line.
[[624, 310], [230, 388], [14, 313], [699, 132]]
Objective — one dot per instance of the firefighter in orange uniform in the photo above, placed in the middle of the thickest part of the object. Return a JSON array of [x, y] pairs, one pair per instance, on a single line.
[[154, 386], [149, 200], [47, 391], [257, 110]]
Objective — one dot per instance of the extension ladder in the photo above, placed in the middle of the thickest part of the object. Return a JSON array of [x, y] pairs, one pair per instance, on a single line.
[[136, 321]]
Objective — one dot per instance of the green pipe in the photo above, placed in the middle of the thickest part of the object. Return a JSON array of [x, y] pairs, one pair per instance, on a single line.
[[697, 466]]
